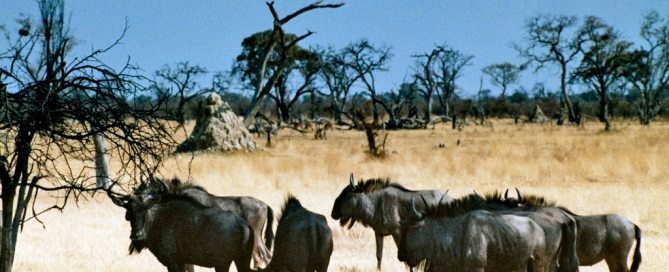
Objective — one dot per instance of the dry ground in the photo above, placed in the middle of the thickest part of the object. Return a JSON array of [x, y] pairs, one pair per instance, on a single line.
[[626, 172]]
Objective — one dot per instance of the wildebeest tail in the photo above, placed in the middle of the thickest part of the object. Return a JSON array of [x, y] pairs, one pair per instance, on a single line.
[[636, 260], [568, 258], [269, 234]]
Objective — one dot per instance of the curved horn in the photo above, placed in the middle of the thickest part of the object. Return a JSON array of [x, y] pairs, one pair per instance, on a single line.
[[163, 186], [414, 212], [506, 193], [442, 197], [520, 198], [119, 201], [144, 180], [351, 180]]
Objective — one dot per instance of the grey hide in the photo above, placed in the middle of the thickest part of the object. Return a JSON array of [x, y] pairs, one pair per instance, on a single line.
[[180, 231], [380, 204], [606, 237], [303, 240], [472, 241], [255, 212]]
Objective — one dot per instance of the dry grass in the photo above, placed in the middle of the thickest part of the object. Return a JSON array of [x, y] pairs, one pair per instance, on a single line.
[[589, 171]]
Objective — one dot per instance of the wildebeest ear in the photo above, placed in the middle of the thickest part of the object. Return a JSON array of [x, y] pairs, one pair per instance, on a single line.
[[351, 180], [145, 181], [120, 201], [162, 186], [141, 187]]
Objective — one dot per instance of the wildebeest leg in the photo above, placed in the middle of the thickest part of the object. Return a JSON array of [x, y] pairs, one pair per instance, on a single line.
[[396, 238], [323, 266], [225, 267], [536, 264], [616, 262], [175, 267], [242, 262], [379, 250]]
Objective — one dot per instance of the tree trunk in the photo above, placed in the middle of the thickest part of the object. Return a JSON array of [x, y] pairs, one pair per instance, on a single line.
[[101, 162], [375, 109], [338, 113], [7, 249], [446, 109], [604, 109], [566, 101], [284, 114], [257, 100], [12, 215], [428, 110], [644, 110]]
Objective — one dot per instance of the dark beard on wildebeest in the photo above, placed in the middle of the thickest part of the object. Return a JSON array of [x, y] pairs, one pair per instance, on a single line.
[[136, 246], [347, 220]]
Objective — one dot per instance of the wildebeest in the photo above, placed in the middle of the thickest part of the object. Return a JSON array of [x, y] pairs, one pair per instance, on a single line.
[[606, 237], [303, 240], [460, 237], [559, 227], [255, 212], [380, 204], [179, 230]]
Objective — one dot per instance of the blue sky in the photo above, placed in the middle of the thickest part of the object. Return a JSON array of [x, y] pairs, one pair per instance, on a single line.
[[209, 33]]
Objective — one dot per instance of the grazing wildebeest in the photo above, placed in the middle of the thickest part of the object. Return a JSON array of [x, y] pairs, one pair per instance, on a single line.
[[255, 212], [179, 230], [559, 227], [380, 204], [303, 240], [606, 237], [460, 237]]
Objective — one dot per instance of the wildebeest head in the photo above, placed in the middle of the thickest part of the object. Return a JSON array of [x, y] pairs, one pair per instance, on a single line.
[[411, 241], [151, 190], [345, 204], [136, 212], [136, 207]]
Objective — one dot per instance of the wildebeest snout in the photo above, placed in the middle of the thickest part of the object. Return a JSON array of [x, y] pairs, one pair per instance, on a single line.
[[138, 235]]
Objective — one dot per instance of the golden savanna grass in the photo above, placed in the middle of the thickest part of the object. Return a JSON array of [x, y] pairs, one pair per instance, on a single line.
[[625, 171]]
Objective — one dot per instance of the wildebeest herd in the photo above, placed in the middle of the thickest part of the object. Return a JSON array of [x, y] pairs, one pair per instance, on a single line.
[[184, 225]]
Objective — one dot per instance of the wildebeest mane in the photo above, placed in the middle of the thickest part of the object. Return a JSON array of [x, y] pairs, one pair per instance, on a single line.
[[494, 197], [456, 207], [536, 201], [289, 206], [376, 184], [493, 200], [178, 190]]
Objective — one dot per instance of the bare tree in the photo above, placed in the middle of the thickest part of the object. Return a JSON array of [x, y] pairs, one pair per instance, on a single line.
[[549, 44], [449, 68], [338, 78], [181, 85], [647, 68], [502, 75], [601, 67], [263, 81], [52, 107], [301, 69], [366, 60]]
